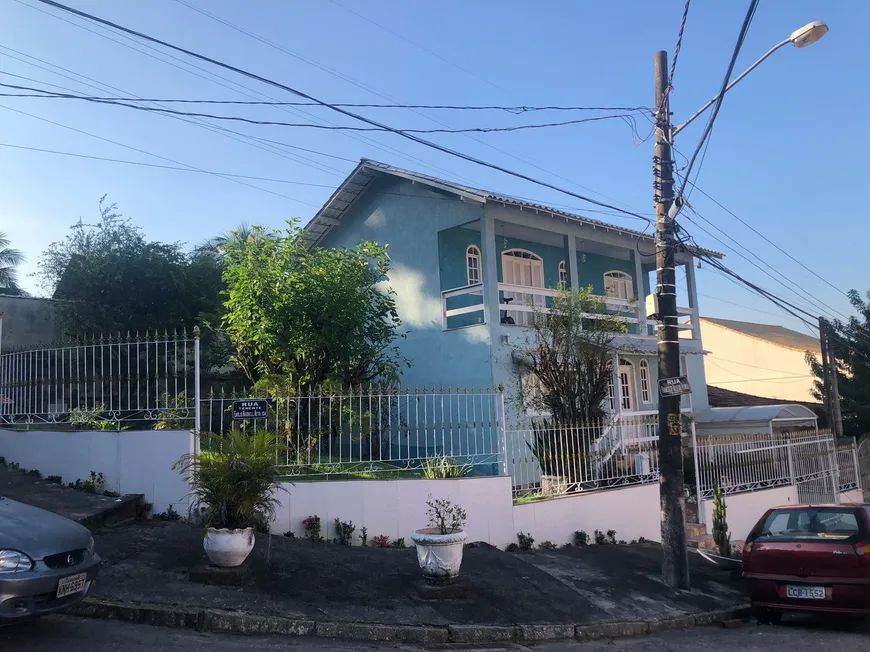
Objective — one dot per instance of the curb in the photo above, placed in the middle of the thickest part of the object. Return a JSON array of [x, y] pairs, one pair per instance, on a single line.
[[238, 622]]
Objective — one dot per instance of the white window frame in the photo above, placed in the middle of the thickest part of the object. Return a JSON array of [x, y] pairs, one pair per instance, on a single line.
[[472, 265], [622, 282], [645, 396], [563, 275]]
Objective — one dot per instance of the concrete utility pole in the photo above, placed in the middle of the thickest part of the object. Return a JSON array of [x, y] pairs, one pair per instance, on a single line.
[[675, 561], [832, 389]]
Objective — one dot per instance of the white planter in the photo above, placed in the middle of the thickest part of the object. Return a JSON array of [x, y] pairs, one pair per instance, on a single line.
[[439, 555], [228, 548]]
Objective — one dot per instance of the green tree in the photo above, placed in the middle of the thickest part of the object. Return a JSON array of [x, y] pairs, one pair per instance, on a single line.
[[720, 523], [113, 279], [849, 346], [571, 356], [310, 315], [9, 260]]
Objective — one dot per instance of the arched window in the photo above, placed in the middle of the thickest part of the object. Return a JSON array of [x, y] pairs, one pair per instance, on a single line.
[[472, 263], [644, 382], [563, 276], [618, 285]]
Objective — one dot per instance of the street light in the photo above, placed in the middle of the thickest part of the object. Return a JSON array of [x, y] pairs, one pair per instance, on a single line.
[[801, 38]]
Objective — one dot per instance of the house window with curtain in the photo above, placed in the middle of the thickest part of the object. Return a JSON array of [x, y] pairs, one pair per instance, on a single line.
[[644, 382], [618, 285], [563, 276], [472, 263]]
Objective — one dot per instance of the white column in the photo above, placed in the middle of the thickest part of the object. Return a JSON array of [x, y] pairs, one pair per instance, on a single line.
[[491, 313], [641, 295], [692, 290], [573, 274], [617, 386]]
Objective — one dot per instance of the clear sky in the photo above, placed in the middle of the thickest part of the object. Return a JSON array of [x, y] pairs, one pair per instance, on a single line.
[[788, 153]]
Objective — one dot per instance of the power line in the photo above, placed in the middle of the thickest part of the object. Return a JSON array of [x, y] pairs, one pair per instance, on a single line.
[[368, 88], [678, 47], [45, 94], [343, 111]]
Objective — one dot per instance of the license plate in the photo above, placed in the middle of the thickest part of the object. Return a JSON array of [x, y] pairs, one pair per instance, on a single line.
[[72, 584], [805, 592]]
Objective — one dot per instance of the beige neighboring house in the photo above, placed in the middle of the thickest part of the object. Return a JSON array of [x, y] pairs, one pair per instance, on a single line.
[[758, 359]]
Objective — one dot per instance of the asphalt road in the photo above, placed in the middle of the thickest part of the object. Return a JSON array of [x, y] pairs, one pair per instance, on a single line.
[[84, 635]]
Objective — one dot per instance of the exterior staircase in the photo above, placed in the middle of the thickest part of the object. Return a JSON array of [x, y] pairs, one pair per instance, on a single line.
[[697, 537]]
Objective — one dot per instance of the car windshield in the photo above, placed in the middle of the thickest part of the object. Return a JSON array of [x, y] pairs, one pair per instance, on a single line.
[[819, 523]]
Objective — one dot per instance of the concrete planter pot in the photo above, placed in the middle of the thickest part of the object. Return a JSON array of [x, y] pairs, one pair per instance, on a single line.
[[228, 548], [439, 555]]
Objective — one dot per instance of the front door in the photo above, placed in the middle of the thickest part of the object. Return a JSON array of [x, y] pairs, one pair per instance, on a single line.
[[525, 269], [626, 387]]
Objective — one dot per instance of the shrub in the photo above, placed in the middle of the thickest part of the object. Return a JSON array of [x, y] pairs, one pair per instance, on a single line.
[[169, 515], [312, 528], [381, 541], [611, 537], [525, 541], [343, 532], [581, 538], [34, 473], [444, 516], [512, 547], [600, 538], [363, 536], [399, 543], [54, 478], [441, 467], [547, 545]]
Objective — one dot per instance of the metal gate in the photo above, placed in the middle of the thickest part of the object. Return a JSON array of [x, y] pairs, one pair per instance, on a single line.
[[817, 472], [864, 466]]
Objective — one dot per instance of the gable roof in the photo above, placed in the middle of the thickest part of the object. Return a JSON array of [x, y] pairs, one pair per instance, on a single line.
[[367, 170], [721, 397], [777, 335]]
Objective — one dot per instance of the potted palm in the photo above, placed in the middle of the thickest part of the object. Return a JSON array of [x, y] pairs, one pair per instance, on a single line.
[[234, 482], [439, 547]]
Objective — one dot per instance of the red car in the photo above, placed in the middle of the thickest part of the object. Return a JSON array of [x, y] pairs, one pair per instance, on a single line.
[[809, 558]]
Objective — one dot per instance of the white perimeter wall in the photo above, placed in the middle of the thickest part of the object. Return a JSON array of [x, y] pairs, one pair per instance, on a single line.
[[133, 461], [853, 496], [744, 510]]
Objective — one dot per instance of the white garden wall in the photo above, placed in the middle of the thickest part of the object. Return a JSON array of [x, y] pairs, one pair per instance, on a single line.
[[633, 512], [398, 507], [744, 510], [132, 462], [853, 496]]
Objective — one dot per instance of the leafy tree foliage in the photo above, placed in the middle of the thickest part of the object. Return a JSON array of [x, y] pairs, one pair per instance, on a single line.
[[111, 278], [309, 315], [571, 356], [849, 346], [9, 260]]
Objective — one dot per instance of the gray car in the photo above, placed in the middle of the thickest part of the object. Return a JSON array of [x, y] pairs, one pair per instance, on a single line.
[[47, 562]]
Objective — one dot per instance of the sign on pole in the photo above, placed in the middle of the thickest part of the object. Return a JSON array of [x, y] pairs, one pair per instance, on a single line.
[[674, 386], [257, 408]]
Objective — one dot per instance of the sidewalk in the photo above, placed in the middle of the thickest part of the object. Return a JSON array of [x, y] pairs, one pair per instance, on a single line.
[[364, 592]]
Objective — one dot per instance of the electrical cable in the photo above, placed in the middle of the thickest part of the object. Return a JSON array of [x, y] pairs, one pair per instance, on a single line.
[[341, 110], [677, 48]]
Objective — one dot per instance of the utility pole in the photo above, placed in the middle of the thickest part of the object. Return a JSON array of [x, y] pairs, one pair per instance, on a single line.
[[675, 561], [829, 373]]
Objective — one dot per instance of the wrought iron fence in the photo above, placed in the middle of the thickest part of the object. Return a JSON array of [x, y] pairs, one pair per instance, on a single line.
[[741, 463], [102, 382], [847, 465], [546, 460], [375, 431]]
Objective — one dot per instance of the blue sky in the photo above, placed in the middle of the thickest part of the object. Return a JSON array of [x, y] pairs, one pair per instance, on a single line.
[[788, 152]]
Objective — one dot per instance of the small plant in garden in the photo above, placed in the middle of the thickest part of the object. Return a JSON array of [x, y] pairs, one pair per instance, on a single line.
[[169, 515], [720, 524], [643, 540], [143, 509], [441, 467], [85, 419], [399, 543], [622, 542], [565, 546], [600, 538], [343, 532], [381, 541], [2, 461], [54, 478], [363, 536], [547, 545], [110, 426], [289, 534], [444, 516], [96, 483], [311, 525], [581, 539], [512, 547], [611, 537], [14, 466], [34, 473], [525, 541]]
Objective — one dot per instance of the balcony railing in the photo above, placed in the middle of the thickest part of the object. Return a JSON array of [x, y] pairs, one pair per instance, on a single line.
[[466, 300]]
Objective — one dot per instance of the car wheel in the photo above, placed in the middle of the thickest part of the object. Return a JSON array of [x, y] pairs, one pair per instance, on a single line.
[[767, 616]]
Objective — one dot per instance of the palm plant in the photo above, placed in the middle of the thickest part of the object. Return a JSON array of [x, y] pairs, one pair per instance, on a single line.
[[237, 481], [9, 260]]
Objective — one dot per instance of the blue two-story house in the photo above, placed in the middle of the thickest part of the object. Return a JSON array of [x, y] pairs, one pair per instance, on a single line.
[[468, 264]]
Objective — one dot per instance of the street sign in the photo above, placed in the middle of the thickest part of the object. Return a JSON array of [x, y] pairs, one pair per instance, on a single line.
[[674, 386], [257, 408]]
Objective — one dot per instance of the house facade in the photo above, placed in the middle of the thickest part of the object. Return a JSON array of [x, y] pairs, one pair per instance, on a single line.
[[467, 263]]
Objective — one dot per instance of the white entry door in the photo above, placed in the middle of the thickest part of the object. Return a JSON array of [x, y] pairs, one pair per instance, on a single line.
[[626, 387], [525, 269]]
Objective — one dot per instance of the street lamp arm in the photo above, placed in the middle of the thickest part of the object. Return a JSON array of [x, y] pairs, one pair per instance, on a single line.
[[776, 47]]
